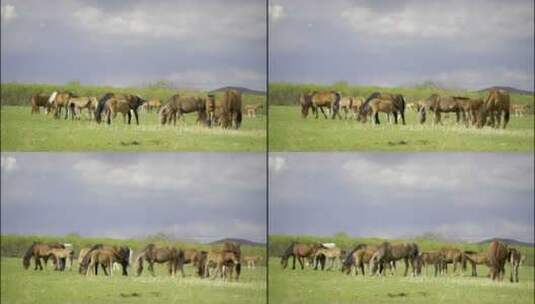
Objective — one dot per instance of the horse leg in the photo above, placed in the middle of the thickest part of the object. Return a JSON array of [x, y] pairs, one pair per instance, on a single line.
[[376, 117], [293, 268], [151, 268], [136, 116], [323, 112], [129, 116], [301, 262]]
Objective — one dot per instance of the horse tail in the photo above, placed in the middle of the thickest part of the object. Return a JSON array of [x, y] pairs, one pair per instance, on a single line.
[[101, 106], [238, 118], [27, 256]]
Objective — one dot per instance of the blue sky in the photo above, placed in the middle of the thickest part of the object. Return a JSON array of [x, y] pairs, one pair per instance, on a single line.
[[461, 44], [200, 196], [194, 44], [462, 196]]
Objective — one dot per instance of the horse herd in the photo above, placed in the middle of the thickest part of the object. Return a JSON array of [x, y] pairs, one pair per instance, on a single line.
[[380, 258], [478, 112], [225, 112], [222, 261]]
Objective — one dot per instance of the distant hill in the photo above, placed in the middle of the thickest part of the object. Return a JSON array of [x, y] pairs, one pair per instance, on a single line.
[[508, 89], [240, 89], [239, 241], [507, 241]]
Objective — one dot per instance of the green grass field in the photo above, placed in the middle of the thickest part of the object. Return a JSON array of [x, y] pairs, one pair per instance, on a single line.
[[22, 131], [48, 286], [309, 286], [289, 132]]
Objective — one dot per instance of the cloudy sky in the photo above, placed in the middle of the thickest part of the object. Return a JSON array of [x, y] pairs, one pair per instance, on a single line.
[[203, 196], [464, 44], [466, 196], [195, 44]]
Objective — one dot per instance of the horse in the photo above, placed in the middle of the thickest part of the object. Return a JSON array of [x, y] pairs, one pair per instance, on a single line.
[[451, 255], [471, 108], [496, 103], [435, 258], [346, 104], [223, 261], [383, 102], [520, 110], [39, 100], [305, 101], [329, 99], [77, 104], [475, 258], [60, 100], [387, 253], [61, 256], [39, 251], [324, 254], [121, 255], [251, 261], [442, 104], [356, 104], [112, 104], [170, 255], [359, 256], [299, 252], [515, 259], [179, 105], [152, 104], [498, 254], [251, 110], [230, 109]]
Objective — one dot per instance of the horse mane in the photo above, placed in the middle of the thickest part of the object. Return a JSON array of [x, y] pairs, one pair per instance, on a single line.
[[367, 101], [349, 260], [289, 251], [85, 260]]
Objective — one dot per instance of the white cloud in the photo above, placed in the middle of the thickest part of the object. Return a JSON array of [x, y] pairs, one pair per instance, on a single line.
[[8, 12], [474, 23], [8, 163], [276, 12], [277, 164]]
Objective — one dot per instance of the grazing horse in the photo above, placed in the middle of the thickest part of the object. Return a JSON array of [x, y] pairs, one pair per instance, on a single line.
[[453, 256], [442, 104], [357, 258], [330, 99], [121, 255], [515, 259], [305, 100], [223, 261], [170, 255], [498, 254], [251, 110], [520, 109], [435, 258], [61, 256], [475, 258], [179, 105], [299, 252], [77, 104], [496, 103], [251, 261], [387, 253], [324, 254], [471, 108], [60, 100], [152, 104], [230, 110], [356, 104], [346, 104], [383, 102], [39, 100], [37, 251], [112, 103]]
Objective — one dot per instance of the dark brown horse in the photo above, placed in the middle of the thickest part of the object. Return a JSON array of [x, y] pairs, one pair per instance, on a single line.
[[387, 253], [305, 101], [442, 104], [453, 256], [112, 103], [299, 252], [434, 258], [120, 254], [328, 99], [383, 102], [475, 258], [39, 251], [498, 254], [495, 104], [39, 100], [230, 109], [178, 105], [222, 261], [358, 258], [170, 255], [471, 108], [515, 258]]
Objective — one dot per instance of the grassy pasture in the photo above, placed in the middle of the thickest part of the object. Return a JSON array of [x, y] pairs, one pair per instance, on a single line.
[[48, 286], [309, 286], [289, 132], [22, 131]]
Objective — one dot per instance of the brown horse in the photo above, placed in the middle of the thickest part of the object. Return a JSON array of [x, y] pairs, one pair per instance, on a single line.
[[39, 251], [346, 104], [358, 258], [475, 258], [223, 261], [442, 104], [252, 110], [495, 104], [453, 256], [251, 261], [383, 102], [520, 110], [324, 254], [77, 104], [299, 252], [498, 254], [356, 104], [61, 256], [39, 100], [59, 101], [179, 105], [471, 108], [121, 255], [515, 259], [112, 103], [230, 110], [435, 258], [170, 255], [305, 101], [387, 253], [328, 99], [152, 104]]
